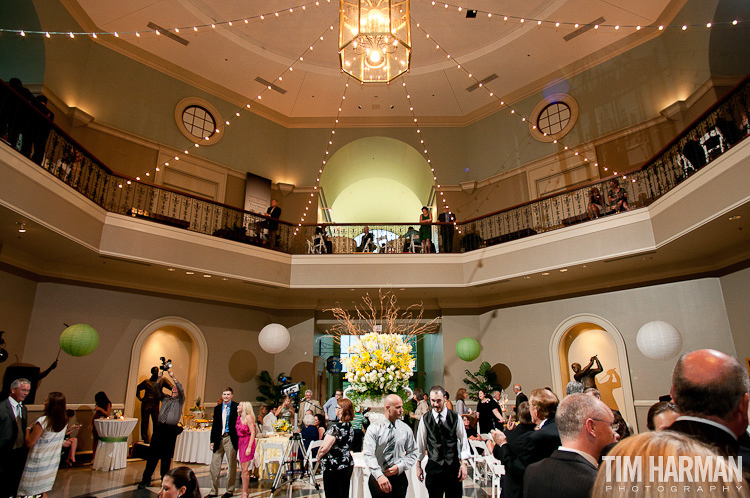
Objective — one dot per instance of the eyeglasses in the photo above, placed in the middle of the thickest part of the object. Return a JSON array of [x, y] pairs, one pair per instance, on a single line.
[[613, 425]]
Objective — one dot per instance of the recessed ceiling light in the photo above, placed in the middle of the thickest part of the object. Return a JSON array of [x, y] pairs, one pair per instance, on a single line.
[[206, 276], [545, 273], [563, 270], [527, 276], [170, 269], [733, 218], [402, 289], [189, 273], [225, 278]]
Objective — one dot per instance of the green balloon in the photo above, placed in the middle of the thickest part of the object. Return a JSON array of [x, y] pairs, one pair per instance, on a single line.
[[468, 349], [79, 340]]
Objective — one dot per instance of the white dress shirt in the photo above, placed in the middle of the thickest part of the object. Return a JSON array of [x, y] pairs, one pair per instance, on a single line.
[[376, 437], [463, 442]]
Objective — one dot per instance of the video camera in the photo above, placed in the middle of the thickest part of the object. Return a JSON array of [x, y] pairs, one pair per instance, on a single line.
[[165, 364], [292, 390]]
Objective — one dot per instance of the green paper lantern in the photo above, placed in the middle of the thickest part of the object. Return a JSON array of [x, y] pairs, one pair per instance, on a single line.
[[468, 349], [79, 339]]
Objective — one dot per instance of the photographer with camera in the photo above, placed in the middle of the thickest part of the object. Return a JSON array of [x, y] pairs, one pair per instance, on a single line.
[[168, 428]]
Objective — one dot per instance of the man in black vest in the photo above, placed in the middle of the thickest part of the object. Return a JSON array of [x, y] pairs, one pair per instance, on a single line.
[[442, 435]]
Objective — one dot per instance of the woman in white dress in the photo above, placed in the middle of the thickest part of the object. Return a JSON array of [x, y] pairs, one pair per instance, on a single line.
[[45, 441]]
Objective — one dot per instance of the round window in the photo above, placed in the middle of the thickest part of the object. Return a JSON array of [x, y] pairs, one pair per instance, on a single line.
[[198, 121], [554, 118]]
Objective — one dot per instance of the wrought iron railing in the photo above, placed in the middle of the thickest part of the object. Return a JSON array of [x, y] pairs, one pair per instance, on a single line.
[[25, 127]]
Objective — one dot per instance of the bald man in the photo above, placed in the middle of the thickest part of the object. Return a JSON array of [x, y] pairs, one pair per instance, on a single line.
[[390, 450], [711, 389], [586, 425]]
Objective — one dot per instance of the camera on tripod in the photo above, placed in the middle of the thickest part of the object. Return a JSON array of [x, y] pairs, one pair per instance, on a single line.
[[292, 390], [165, 364]]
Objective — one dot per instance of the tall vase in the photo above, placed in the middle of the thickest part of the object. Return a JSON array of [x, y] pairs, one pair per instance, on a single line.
[[375, 404]]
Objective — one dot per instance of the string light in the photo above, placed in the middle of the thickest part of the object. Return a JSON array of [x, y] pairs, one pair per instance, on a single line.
[[276, 14]]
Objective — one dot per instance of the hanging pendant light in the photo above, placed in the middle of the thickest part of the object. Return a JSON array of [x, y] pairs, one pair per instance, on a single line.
[[374, 39]]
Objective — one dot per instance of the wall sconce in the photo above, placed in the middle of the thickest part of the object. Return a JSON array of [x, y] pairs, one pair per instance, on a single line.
[[21, 227]]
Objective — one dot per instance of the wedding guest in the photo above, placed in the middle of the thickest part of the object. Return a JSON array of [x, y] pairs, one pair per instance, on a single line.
[[103, 410], [245, 426], [320, 423], [45, 441], [180, 482], [596, 204], [618, 199], [461, 407], [489, 413], [425, 230], [309, 432], [335, 453], [71, 441], [471, 432], [661, 415], [13, 451], [284, 411], [224, 443], [269, 418]]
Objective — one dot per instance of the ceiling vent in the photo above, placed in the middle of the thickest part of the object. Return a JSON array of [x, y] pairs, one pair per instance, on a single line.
[[583, 29], [269, 84], [169, 34], [489, 78]]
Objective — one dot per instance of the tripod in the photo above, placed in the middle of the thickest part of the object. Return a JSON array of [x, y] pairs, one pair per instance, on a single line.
[[287, 470]]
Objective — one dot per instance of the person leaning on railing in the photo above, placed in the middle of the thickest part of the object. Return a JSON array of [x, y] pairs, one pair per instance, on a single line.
[[618, 197]]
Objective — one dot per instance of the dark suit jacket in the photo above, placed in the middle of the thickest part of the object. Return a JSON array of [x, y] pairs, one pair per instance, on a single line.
[[537, 446], [520, 398], [507, 454], [217, 429], [721, 440], [8, 427], [563, 475]]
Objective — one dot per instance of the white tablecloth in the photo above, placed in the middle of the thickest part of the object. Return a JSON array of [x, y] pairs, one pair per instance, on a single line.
[[194, 446], [259, 451], [112, 451], [361, 474]]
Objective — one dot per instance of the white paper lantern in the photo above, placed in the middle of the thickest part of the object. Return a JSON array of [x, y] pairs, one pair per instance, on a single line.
[[274, 338], [659, 340]]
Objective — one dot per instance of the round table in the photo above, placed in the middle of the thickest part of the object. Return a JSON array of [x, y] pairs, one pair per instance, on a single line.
[[258, 460], [194, 446], [112, 451]]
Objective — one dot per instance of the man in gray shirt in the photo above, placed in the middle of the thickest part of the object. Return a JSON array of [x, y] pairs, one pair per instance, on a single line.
[[166, 431], [390, 450]]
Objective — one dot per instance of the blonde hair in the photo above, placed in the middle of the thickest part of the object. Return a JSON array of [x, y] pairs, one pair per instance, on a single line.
[[662, 444], [248, 415]]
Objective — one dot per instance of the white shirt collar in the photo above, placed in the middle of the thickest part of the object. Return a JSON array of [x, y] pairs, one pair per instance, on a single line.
[[444, 413], [15, 405], [709, 422], [585, 455]]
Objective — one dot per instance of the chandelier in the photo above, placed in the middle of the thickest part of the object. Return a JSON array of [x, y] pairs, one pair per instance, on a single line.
[[374, 39]]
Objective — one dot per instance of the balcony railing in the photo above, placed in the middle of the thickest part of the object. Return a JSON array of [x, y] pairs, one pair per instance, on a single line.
[[25, 127]]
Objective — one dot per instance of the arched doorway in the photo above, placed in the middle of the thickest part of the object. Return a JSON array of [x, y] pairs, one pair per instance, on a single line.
[[579, 338], [177, 339], [377, 179]]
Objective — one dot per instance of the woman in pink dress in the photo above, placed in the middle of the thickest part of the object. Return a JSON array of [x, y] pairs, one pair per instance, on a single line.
[[246, 444]]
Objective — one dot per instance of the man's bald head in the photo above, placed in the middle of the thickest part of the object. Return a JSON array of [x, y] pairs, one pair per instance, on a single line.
[[394, 407], [707, 383]]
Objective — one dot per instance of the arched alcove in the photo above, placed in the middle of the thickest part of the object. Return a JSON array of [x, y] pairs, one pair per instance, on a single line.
[[579, 338], [174, 338], [376, 179]]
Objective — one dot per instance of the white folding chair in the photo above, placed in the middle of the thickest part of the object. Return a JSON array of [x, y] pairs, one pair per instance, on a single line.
[[272, 453], [312, 461], [481, 464], [496, 470], [415, 243]]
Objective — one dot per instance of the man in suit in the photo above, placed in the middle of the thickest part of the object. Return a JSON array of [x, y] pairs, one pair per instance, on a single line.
[[13, 420], [520, 396], [273, 213], [442, 435], [224, 442], [711, 389], [539, 445], [586, 425], [390, 451], [446, 231], [308, 403]]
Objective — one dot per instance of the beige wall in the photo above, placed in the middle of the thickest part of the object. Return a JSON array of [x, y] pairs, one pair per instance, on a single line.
[[735, 288], [16, 305]]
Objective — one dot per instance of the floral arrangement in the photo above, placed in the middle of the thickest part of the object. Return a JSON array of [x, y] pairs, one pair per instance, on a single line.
[[379, 364], [197, 407], [282, 426]]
